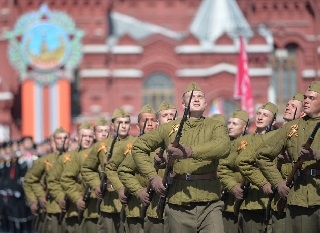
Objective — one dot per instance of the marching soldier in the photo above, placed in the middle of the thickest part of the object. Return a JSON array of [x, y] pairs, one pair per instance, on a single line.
[[109, 220], [85, 138], [303, 198], [251, 214], [293, 110], [71, 177], [166, 113], [252, 210], [228, 174], [36, 191], [133, 181], [194, 196]]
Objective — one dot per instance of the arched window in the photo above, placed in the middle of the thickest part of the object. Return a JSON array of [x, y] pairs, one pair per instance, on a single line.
[[158, 87]]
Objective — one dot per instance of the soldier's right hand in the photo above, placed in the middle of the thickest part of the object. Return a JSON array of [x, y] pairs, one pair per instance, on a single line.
[[122, 195], [283, 189], [34, 208], [62, 204], [43, 202], [98, 192], [157, 185], [81, 205], [143, 196], [267, 189], [237, 192]]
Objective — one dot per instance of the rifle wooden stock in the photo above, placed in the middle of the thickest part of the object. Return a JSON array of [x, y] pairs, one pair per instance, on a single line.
[[123, 207], [144, 208], [86, 198], [237, 204], [63, 213], [297, 166]]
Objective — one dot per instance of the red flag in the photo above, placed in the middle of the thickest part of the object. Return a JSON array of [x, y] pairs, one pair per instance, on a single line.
[[242, 89]]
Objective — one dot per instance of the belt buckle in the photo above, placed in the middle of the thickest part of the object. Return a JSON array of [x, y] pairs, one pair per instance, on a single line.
[[313, 172], [187, 176]]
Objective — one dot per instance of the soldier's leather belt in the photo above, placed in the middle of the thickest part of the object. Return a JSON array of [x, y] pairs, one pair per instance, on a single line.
[[309, 172], [205, 176]]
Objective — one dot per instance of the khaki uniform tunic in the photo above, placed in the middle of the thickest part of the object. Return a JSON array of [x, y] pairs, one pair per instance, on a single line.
[[303, 199], [209, 142], [97, 156]]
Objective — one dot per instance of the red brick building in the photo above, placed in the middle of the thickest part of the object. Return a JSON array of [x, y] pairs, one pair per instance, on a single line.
[[144, 51]]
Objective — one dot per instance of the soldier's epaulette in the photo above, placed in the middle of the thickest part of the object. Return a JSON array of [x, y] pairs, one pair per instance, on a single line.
[[128, 150], [243, 145], [293, 132], [66, 158], [174, 128]]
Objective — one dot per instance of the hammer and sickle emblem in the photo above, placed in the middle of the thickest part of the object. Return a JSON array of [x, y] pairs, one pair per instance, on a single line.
[[103, 147], [128, 151], [174, 128], [294, 131], [243, 145], [67, 158]]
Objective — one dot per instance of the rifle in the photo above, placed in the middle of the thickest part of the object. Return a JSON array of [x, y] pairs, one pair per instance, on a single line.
[[168, 173], [245, 185], [86, 198], [63, 213], [150, 191], [297, 166], [104, 180], [127, 193]]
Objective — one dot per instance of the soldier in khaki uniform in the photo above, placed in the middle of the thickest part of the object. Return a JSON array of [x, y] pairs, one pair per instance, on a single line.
[[194, 196], [252, 211], [109, 220], [135, 182], [33, 185], [251, 214], [303, 198], [166, 113], [293, 110], [237, 125], [71, 177], [85, 138]]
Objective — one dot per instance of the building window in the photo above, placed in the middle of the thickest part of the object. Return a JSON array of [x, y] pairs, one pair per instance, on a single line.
[[284, 78], [158, 87], [75, 95]]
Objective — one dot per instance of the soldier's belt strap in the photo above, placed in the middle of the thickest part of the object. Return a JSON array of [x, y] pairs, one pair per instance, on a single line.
[[188, 176], [309, 172]]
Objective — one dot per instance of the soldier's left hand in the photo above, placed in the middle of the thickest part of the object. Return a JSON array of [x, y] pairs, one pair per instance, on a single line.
[[81, 205], [143, 197], [34, 208], [181, 152], [307, 154]]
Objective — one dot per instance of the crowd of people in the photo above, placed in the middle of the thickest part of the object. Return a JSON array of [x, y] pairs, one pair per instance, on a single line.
[[187, 173]]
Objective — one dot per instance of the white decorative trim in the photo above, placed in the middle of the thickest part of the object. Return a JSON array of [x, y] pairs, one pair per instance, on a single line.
[[186, 49], [222, 67], [104, 73], [6, 95], [118, 49], [310, 73]]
